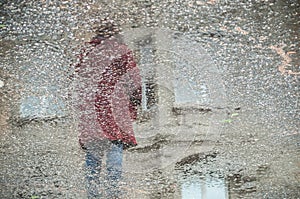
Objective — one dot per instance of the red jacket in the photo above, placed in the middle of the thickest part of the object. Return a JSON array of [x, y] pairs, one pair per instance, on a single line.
[[108, 90]]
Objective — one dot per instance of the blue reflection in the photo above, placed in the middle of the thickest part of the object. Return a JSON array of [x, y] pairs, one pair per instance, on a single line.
[[207, 188]]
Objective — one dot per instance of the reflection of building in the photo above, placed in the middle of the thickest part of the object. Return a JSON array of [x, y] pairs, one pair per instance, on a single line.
[[205, 188], [42, 75], [4, 102], [179, 92], [146, 53]]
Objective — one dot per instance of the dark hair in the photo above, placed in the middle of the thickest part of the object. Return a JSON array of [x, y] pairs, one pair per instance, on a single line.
[[106, 29]]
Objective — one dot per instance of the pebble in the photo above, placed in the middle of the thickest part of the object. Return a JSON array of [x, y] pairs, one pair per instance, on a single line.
[[1, 83]]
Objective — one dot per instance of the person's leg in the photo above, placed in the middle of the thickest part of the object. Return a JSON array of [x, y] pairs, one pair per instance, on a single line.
[[114, 169], [94, 157]]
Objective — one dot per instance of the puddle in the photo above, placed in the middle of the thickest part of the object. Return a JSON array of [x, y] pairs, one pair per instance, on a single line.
[[204, 188], [199, 60]]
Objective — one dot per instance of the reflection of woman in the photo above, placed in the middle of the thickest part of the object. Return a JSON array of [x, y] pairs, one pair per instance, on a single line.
[[108, 92]]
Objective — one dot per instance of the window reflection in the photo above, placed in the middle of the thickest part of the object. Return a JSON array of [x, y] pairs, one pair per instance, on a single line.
[[146, 53]]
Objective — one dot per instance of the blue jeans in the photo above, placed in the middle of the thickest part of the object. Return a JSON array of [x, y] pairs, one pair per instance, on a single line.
[[94, 155]]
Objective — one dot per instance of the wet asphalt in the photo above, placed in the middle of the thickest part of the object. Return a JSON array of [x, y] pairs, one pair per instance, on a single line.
[[254, 45]]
